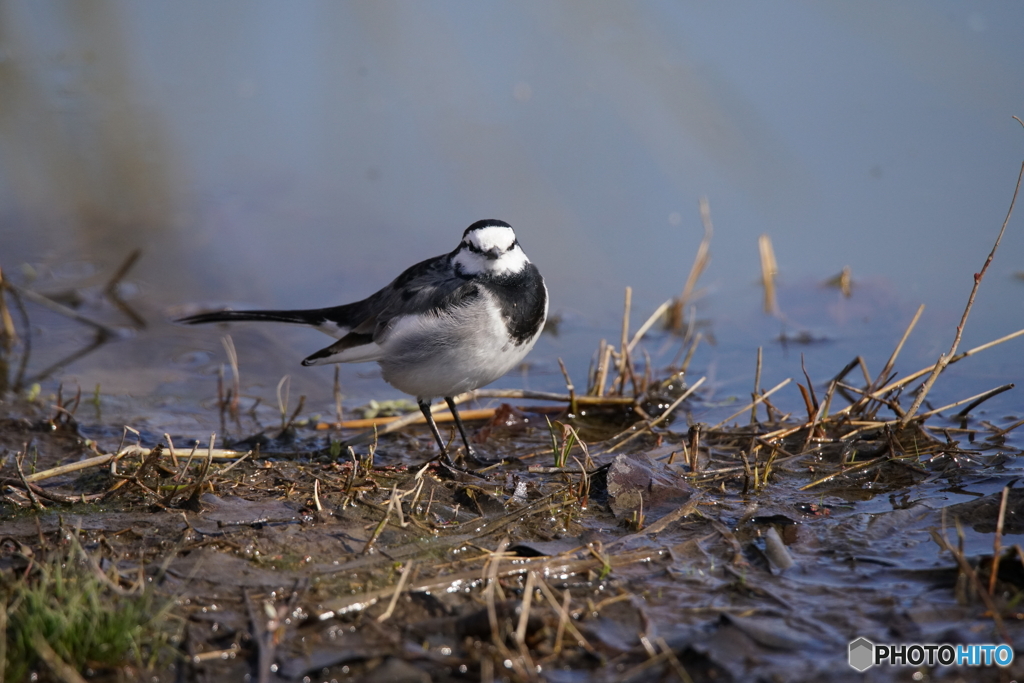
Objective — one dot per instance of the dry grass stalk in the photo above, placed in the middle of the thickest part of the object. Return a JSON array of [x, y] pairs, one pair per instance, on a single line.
[[659, 312], [441, 414], [769, 269], [170, 449], [820, 415], [690, 351], [625, 325], [100, 460], [757, 400], [8, 334], [177, 479], [852, 468], [808, 404], [757, 388], [635, 432], [565, 621], [604, 360], [982, 398], [30, 490], [977, 399], [967, 570], [693, 450], [524, 610], [896, 352], [944, 359], [573, 407], [60, 309], [112, 290], [406, 570], [624, 369], [235, 464], [924, 371], [1007, 430], [490, 577], [997, 542], [232, 397], [677, 313]]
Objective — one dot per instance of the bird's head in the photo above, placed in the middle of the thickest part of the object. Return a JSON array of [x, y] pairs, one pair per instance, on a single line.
[[489, 247]]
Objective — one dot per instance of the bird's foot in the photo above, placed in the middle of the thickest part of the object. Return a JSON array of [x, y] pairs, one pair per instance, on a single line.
[[471, 455], [452, 469]]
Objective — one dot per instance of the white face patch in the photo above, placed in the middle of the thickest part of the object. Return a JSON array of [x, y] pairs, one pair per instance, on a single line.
[[496, 237], [492, 250]]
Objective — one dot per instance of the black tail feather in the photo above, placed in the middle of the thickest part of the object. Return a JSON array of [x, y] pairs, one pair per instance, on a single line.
[[311, 317]]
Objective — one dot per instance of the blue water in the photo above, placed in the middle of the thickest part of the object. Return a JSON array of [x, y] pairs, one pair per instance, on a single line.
[[273, 155]]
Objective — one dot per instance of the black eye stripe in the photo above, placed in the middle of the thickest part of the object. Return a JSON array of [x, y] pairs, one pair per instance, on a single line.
[[477, 250]]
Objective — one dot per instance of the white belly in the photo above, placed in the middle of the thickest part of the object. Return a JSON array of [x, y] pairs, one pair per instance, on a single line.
[[431, 356]]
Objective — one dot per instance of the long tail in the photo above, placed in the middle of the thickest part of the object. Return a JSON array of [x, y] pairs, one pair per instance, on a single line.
[[314, 317]]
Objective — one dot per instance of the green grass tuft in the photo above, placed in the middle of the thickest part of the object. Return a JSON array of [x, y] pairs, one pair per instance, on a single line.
[[82, 618]]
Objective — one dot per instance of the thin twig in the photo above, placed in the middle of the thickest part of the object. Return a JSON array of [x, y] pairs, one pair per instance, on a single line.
[[113, 293], [757, 388], [974, 400], [753, 403], [568, 387], [398, 591], [896, 352], [388, 425], [648, 324], [924, 371], [634, 433], [997, 542], [690, 351], [968, 570], [700, 263], [945, 358], [28, 489], [229, 348], [61, 309], [524, 610]]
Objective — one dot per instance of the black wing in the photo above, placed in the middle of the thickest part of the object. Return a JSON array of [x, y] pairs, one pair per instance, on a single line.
[[424, 286]]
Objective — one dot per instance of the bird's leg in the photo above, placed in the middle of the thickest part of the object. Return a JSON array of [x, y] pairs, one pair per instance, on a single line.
[[458, 422], [425, 409]]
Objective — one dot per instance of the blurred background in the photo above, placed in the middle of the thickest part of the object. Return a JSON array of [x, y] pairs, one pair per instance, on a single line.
[[297, 155]]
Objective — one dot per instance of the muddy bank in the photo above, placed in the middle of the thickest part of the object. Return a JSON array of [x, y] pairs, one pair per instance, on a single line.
[[626, 563]]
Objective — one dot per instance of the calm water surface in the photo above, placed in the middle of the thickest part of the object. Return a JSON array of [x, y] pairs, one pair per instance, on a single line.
[[267, 155]]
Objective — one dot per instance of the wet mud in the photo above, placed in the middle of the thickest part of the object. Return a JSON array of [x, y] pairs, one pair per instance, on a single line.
[[678, 556]]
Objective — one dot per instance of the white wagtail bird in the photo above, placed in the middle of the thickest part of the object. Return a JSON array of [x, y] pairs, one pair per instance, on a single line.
[[447, 325]]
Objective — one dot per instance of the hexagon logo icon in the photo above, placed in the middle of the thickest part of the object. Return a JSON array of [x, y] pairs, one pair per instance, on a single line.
[[862, 654]]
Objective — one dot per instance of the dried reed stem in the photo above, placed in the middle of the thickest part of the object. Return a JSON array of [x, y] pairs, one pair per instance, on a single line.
[[944, 359], [769, 269], [754, 402], [757, 388], [899, 347], [924, 371], [997, 542], [700, 263], [658, 313]]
